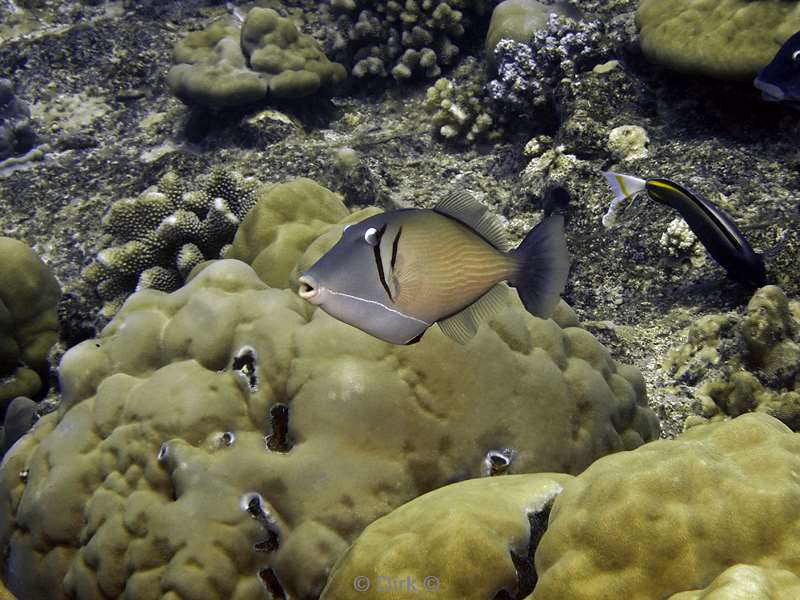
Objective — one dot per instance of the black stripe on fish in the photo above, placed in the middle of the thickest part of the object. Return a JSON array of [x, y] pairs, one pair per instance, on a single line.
[[376, 249], [394, 246]]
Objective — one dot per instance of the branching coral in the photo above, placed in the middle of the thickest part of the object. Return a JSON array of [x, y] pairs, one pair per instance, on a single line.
[[401, 39], [165, 232]]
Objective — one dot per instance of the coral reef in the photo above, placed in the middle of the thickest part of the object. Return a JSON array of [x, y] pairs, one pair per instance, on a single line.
[[401, 39], [20, 417], [28, 321], [527, 72], [459, 108], [165, 232], [268, 58], [745, 362], [16, 133], [682, 511], [430, 543], [185, 408], [729, 39], [748, 582], [286, 219]]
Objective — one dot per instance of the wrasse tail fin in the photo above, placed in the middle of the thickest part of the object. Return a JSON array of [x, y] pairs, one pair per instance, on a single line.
[[623, 186], [543, 266]]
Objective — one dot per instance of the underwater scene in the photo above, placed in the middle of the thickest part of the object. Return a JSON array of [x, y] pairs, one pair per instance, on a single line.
[[400, 299]]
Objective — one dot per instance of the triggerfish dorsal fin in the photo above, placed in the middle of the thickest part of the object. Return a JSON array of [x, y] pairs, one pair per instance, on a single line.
[[623, 186], [463, 325], [461, 206]]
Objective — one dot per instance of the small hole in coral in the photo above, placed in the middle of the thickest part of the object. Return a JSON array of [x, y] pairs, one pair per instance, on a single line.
[[270, 581], [278, 440]]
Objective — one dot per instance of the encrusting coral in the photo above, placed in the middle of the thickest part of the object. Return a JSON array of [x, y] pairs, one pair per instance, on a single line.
[[29, 295], [191, 453], [673, 515], [165, 232], [728, 39], [748, 362], [748, 582], [268, 57]]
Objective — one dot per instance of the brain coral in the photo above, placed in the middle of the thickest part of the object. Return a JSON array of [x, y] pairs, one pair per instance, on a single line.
[[227, 439], [225, 66], [727, 39], [468, 540], [29, 296], [673, 515], [166, 231]]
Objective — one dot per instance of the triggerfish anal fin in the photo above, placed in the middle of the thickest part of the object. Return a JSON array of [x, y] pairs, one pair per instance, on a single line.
[[779, 81], [461, 206], [462, 326]]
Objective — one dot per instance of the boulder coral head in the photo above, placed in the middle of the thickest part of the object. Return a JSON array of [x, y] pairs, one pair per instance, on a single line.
[[227, 439], [727, 39], [268, 57]]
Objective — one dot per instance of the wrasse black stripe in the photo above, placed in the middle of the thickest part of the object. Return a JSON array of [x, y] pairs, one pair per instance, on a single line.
[[379, 262], [394, 246]]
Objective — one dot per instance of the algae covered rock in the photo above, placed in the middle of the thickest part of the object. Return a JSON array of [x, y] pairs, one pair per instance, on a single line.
[[680, 511], [745, 362], [728, 39], [29, 297], [228, 439], [16, 133], [468, 540], [224, 65]]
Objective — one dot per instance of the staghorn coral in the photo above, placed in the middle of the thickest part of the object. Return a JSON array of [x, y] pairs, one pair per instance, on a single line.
[[277, 446], [745, 362], [416, 38], [165, 232], [673, 515], [16, 134], [268, 58], [469, 540], [29, 295], [729, 39]]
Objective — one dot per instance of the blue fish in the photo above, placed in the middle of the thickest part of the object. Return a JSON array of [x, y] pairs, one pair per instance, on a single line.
[[779, 81]]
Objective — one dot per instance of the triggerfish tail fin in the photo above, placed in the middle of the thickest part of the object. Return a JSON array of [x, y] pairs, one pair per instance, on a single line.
[[624, 187], [543, 266]]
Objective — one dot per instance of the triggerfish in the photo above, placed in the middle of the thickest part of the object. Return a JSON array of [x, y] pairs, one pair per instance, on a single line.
[[779, 81], [395, 274], [715, 230]]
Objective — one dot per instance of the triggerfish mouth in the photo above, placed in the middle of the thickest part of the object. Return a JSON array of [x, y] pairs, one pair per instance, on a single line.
[[395, 274], [779, 81], [715, 230]]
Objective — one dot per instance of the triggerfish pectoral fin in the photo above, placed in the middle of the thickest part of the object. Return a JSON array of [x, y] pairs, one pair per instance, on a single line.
[[624, 187]]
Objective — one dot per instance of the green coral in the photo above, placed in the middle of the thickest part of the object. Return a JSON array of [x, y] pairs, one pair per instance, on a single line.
[[745, 362], [463, 541], [727, 39], [229, 429], [747, 582], [286, 220], [268, 57], [29, 297], [163, 233], [415, 38], [459, 107], [673, 515]]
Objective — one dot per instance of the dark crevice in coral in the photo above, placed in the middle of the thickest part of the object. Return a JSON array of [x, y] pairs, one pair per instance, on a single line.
[[524, 564], [245, 363], [279, 440], [270, 581]]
